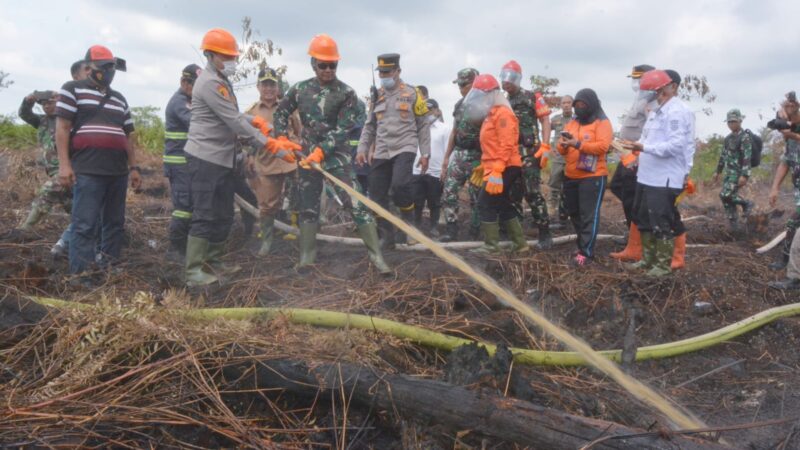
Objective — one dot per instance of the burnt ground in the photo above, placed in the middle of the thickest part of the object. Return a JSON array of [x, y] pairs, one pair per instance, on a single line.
[[759, 379]]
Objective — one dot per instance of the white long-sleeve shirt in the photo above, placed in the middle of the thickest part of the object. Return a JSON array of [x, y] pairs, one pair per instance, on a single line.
[[440, 134], [669, 146]]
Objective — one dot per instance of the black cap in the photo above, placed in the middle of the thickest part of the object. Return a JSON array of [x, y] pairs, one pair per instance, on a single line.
[[268, 75], [387, 62], [640, 70], [676, 78], [431, 103], [191, 72]]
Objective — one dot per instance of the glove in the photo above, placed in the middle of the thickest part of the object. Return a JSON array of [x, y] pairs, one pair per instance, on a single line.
[[476, 179], [262, 125], [494, 181], [542, 154], [628, 159], [690, 186], [316, 156], [283, 148]]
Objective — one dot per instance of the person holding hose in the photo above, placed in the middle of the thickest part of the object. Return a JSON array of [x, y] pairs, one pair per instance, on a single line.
[[584, 143], [501, 163]]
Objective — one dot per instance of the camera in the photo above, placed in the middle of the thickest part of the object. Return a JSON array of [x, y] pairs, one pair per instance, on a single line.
[[778, 124]]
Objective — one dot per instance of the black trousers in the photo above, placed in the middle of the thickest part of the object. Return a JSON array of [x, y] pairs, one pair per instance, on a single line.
[[427, 190], [654, 211], [492, 208], [180, 194], [212, 188], [392, 178], [583, 198], [623, 186]]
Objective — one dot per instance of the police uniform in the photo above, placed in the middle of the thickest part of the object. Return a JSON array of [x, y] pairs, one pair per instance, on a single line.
[[211, 154], [176, 131], [398, 126]]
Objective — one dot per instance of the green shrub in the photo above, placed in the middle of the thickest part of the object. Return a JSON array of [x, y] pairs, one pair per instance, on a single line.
[[16, 136], [149, 134]]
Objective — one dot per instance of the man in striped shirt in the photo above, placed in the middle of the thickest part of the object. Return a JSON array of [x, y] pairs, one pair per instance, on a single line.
[[95, 158]]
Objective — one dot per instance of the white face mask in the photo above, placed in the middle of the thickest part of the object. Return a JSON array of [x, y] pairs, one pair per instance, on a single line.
[[228, 68], [635, 84]]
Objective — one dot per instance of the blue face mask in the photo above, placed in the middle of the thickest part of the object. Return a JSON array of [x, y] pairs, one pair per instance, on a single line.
[[387, 83]]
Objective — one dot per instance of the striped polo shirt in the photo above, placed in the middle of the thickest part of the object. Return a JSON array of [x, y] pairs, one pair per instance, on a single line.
[[100, 146]]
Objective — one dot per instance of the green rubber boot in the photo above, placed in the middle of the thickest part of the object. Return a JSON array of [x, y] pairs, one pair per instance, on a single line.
[[308, 244], [36, 214], [215, 252], [196, 254], [491, 239], [663, 258], [648, 253], [369, 234], [517, 236], [267, 232]]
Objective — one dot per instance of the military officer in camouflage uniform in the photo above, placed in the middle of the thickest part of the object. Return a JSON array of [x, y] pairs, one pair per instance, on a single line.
[[555, 206], [734, 165], [530, 109], [398, 125], [462, 157], [51, 193], [328, 111], [790, 163]]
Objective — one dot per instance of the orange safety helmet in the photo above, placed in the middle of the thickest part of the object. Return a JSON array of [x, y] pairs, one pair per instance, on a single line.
[[654, 79], [512, 66], [323, 48], [220, 41], [485, 83]]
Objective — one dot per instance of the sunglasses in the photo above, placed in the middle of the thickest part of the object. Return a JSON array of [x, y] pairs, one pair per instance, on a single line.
[[327, 65]]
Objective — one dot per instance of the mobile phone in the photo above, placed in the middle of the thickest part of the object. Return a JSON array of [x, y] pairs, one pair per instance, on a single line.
[[566, 135]]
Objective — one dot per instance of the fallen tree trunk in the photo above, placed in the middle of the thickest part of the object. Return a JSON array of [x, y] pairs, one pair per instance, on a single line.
[[454, 407]]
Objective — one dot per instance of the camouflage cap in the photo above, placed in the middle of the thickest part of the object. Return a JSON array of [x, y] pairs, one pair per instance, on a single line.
[[734, 115], [466, 76]]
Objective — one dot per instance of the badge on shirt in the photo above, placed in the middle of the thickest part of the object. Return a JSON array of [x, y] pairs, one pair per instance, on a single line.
[[502, 123], [674, 124], [223, 91]]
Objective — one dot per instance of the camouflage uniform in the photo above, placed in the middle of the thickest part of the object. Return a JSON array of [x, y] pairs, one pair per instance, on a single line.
[[466, 155], [791, 158], [524, 104], [734, 162], [327, 113], [51, 193]]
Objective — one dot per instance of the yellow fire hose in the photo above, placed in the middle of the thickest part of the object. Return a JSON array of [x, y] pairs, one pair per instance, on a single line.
[[441, 341], [681, 419]]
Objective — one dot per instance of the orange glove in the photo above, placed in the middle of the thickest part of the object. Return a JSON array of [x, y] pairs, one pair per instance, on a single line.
[[283, 148], [628, 159], [476, 179], [494, 180], [262, 125], [690, 186], [543, 149], [316, 156]]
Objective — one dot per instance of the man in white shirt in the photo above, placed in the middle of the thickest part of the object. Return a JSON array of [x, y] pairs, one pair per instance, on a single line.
[[666, 153], [428, 187]]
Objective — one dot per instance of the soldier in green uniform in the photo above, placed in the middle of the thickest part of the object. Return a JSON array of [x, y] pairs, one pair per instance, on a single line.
[[734, 165], [790, 163], [328, 111], [530, 108], [51, 193], [463, 155]]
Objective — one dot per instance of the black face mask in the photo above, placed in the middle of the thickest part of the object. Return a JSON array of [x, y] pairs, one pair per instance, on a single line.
[[104, 75], [582, 112]]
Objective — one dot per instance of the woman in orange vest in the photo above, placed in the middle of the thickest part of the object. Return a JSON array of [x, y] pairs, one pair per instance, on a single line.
[[584, 142], [501, 162]]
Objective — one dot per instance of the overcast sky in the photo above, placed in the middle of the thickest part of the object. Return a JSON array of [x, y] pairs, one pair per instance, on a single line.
[[746, 49]]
